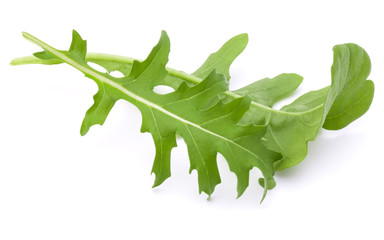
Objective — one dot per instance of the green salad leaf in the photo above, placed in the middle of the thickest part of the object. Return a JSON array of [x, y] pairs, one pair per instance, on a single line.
[[241, 125]]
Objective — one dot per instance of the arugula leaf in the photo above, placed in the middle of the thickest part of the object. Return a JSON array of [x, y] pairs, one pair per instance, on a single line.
[[206, 131], [241, 125]]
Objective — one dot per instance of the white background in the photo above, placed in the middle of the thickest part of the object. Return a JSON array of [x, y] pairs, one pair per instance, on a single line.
[[55, 184]]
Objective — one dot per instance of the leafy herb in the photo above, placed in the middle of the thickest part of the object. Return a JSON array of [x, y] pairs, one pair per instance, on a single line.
[[242, 125]]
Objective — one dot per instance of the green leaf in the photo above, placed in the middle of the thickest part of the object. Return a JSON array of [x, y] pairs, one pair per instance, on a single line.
[[206, 131], [241, 125]]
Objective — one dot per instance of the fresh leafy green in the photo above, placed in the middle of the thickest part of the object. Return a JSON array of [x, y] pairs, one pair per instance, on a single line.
[[242, 125]]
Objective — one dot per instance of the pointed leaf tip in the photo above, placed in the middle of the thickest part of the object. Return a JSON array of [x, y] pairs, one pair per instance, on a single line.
[[83, 130], [27, 36], [164, 37], [268, 185], [223, 58], [243, 36], [265, 191], [74, 32], [240, 193], [156, 183], [164, 33], [78, 47], [76, 36]]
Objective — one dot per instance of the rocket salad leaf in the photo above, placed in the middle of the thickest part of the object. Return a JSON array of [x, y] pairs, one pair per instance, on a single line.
[[242, 125]]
